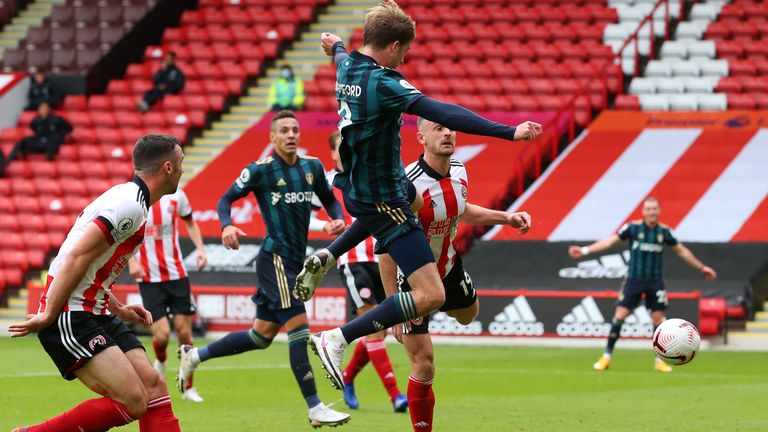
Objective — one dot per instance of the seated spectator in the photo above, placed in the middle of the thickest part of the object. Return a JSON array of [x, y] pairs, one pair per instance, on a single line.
[[287, 92], [168, 80], [50, 131], [41, 89]]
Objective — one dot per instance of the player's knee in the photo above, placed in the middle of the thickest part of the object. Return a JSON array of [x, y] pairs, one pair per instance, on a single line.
[[136, 402], [184, 335], [161, 338], [436, 297], [423, 366]]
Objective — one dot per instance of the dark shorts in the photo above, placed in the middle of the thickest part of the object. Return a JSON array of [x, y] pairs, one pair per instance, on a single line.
[[76, 337], [632, 292], [162, 298], [274, 299], [459, 294], [363, 283]]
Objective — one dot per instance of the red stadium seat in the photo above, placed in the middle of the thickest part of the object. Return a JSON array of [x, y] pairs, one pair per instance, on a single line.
[[8, 223], [741, 101], [627, 103]]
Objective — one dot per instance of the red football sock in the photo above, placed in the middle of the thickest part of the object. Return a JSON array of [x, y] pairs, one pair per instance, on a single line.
[[160, 351], [159, 416], [94, 415], [421, 404], [377, 352], [357, 362]]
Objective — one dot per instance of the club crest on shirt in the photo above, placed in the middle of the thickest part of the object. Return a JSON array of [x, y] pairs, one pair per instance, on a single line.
[[641, 236], [464, 192], [309, 177], [98, 341], [124, 226], [417, 321], [660, 237], [365, 293]]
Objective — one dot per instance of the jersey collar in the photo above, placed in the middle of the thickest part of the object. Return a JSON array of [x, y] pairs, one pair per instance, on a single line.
[[430, 172], [357, 55], [143, 189]]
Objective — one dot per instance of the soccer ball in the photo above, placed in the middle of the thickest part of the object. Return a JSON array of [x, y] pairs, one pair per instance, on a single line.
[[676, 341]]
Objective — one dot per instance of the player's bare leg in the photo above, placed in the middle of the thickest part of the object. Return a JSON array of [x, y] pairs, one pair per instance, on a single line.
[[159, 415], [427, 295], [421, 398], [659, 365], [466, 315], [161, 331], [604, 362]]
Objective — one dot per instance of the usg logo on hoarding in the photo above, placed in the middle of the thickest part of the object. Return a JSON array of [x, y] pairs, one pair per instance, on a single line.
[[585, 319], [441, 324], [517, 319], [613, 266]]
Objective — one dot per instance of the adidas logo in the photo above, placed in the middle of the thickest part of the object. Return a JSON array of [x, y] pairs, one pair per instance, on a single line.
[[441, 324], [377, 325], [308, 376], [281, 182], [585, 319], [421, 424], [433, 203], [389, 375], [613, 266], [516, 319]]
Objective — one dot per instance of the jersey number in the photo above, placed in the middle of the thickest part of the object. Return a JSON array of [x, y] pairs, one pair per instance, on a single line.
[[661, 297], [345, 113]]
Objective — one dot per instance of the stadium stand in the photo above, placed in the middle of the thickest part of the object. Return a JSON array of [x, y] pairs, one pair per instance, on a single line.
[[75, 35]]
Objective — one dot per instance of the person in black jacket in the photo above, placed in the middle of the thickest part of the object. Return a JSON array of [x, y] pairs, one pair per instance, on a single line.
[[41, 89], [169, 79], [50, 131]]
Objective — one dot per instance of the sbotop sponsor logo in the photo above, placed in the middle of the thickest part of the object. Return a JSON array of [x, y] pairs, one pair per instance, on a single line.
[[517, 319], [586, 320], [441, 324], [613, 266]]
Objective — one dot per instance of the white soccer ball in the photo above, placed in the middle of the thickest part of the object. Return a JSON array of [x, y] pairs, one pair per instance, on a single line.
[[676, 341]]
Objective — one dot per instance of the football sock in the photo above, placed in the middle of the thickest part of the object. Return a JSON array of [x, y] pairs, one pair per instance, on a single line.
[[395, 309], [90, 416], [302, 370], [377, 351], [234, 343], [614, 335], [357, 362], [421, 404], [160, 351], [354, 235], [159, 416]]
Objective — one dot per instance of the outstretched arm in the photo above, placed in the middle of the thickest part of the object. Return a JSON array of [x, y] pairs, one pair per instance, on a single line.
[[596, 247], [460, 119], [478, 215], [688, 256], [334, 47]]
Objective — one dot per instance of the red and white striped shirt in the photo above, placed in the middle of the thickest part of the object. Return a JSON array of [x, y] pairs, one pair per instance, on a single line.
[[445, 199], [120, 212], [160, 255], [363, 252]]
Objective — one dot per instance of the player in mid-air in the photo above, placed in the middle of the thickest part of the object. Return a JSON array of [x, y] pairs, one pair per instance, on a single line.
[[359, 271], [284, 185], [372, 97], [647, 238], [81, 324], [162, 276]]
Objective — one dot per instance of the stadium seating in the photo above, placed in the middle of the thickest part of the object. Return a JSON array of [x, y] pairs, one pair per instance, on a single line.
[[541, 55], [75, 35]]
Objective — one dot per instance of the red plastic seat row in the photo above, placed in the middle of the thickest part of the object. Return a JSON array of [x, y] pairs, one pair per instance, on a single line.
[[234, 14], [515, 3], [513, 14], [513, 51], [739, 49], [188, 52], [259, 3], [754, 29], [748, 101], [743, 84], [201, 70], [253, 34], [740, 11], [180, 103], [118, 89]]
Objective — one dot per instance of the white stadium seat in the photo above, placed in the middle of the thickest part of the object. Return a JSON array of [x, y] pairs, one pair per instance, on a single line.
[[670, 85], [658, 68], [691, 31], [714, 68], [701, 49], [674, 49], [700, 84], [683, 102], [642, 86], [704, 11], [713, 102], [685, 68], [654, 102]]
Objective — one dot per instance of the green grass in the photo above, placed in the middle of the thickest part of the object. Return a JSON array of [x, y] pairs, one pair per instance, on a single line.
[[477, 388]]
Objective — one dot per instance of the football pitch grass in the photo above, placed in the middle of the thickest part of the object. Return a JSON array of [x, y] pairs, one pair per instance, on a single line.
[[478, 389]]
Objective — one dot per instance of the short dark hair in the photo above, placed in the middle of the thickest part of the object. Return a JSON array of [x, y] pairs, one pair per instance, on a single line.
[[387, 23], [152, 150], [332, 140], [281, 115]]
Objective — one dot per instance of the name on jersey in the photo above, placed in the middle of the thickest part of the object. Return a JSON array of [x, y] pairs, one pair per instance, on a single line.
[[441, 228], [647, 247], [349, 90], [292, 197]]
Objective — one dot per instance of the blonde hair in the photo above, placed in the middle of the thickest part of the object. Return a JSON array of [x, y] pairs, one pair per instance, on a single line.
[[387, 23]]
